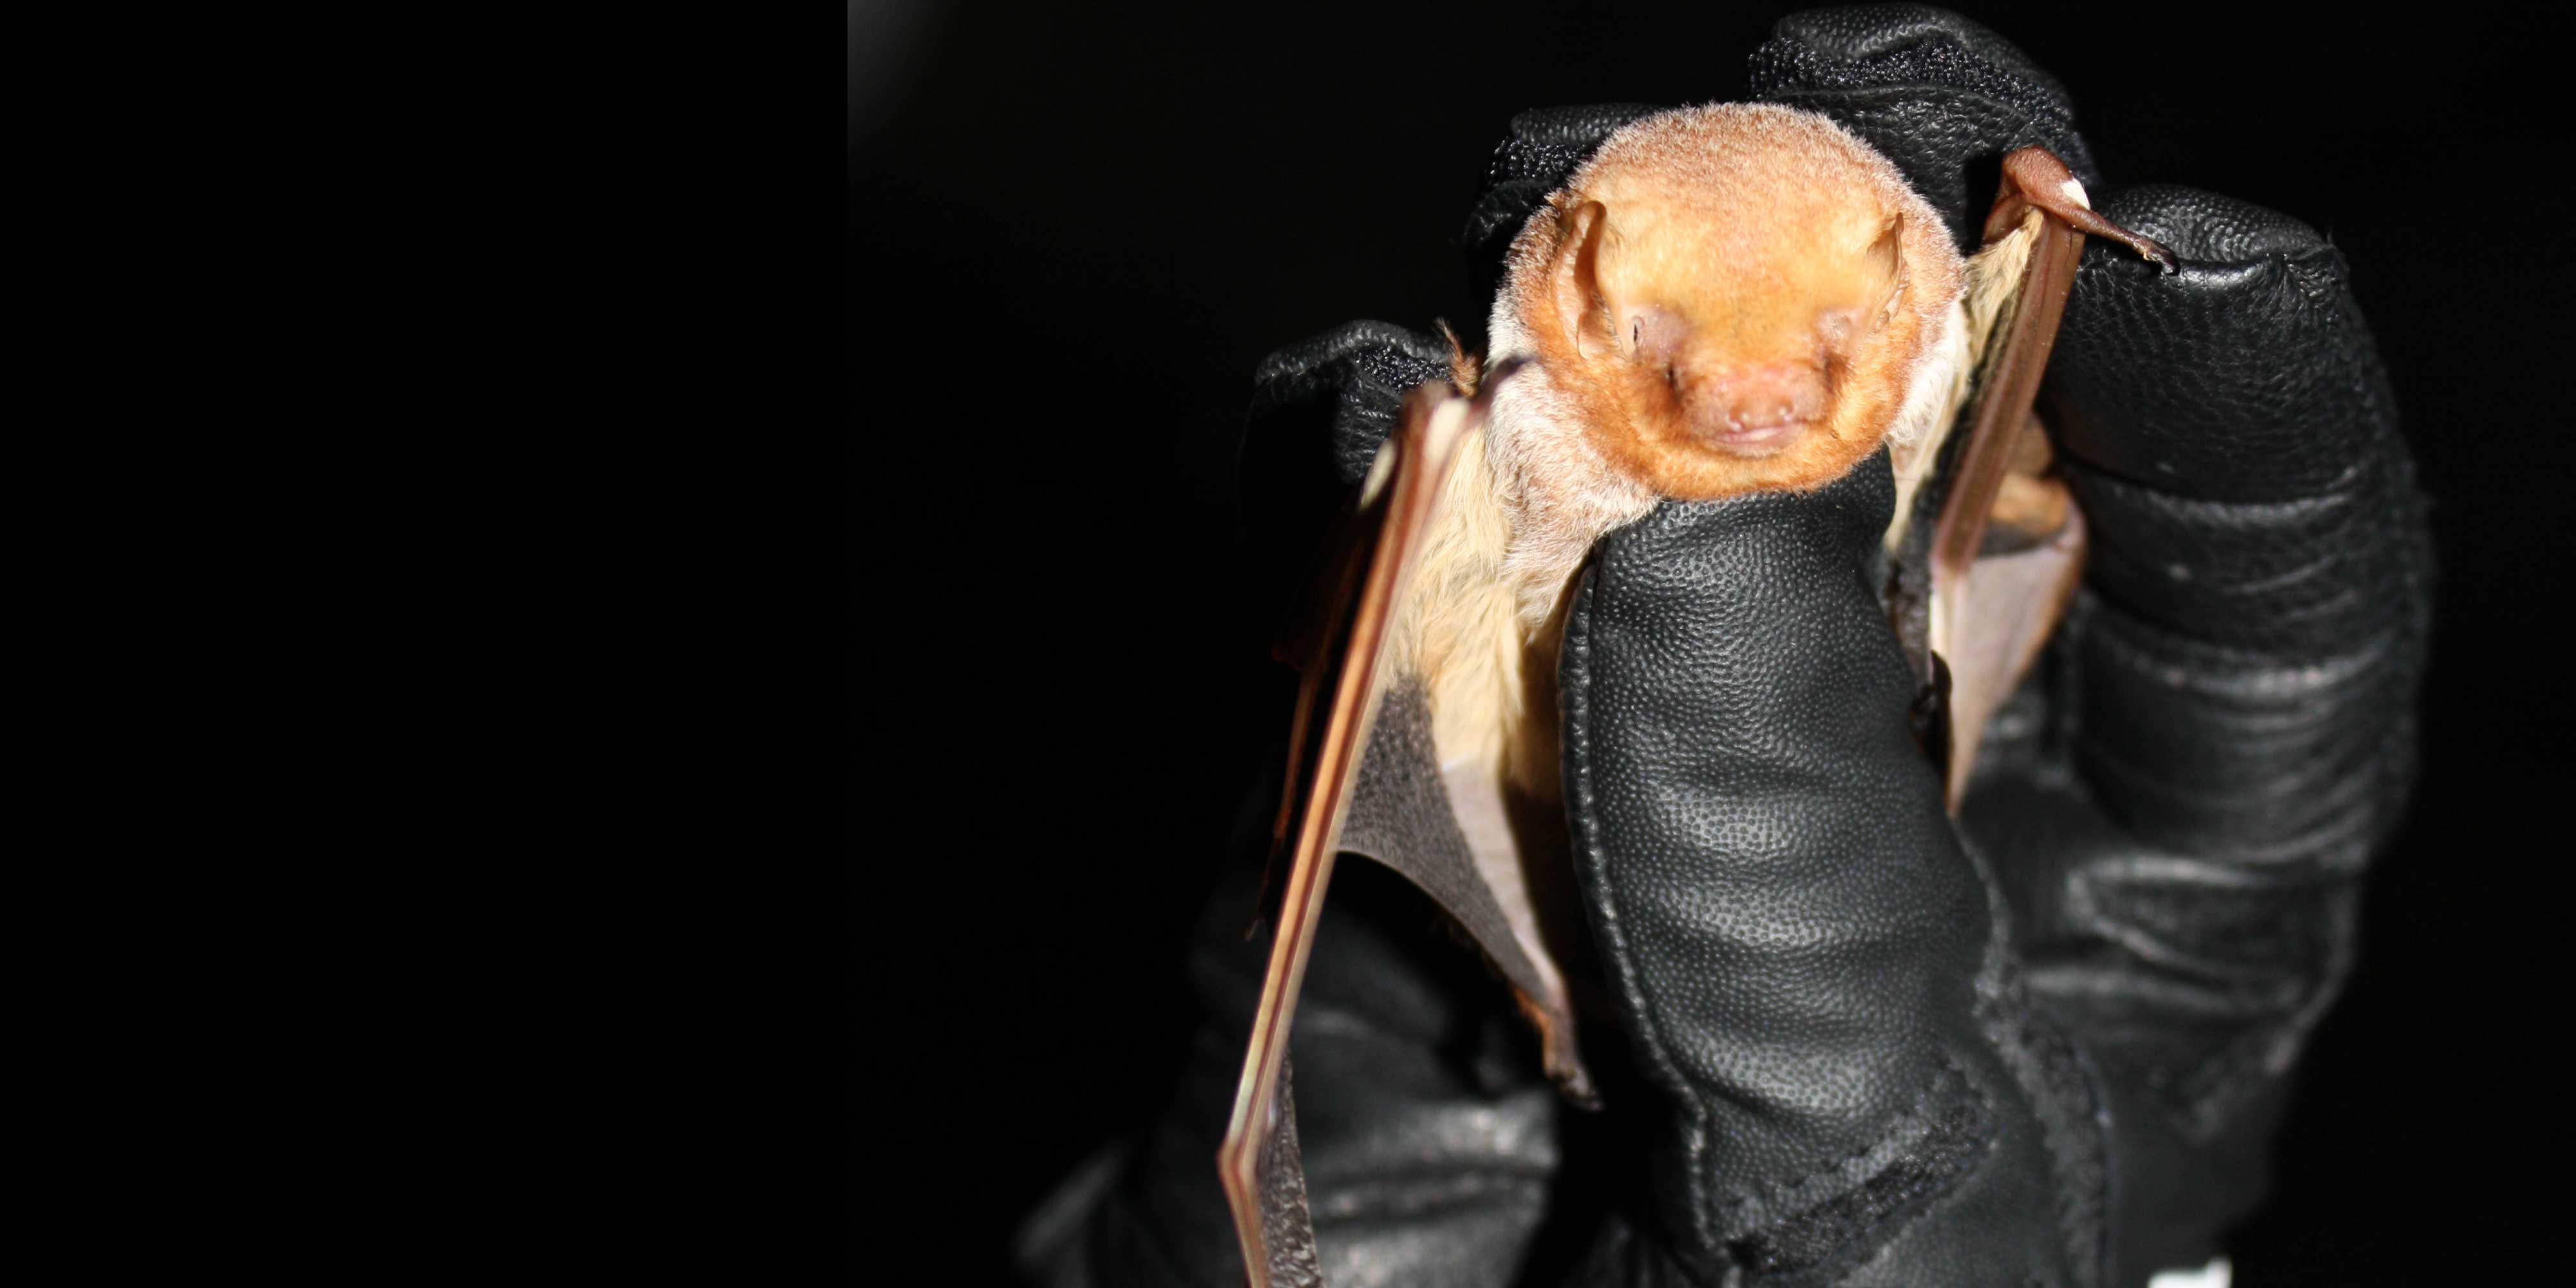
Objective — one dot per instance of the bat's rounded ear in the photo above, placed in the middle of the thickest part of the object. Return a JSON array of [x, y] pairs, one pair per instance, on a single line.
[[1885, 259], [1581, 307]]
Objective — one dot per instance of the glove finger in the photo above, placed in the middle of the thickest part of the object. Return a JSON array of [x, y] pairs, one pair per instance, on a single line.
[[2259, 572], [1796, 943], [1320, 408], [2238, 680]]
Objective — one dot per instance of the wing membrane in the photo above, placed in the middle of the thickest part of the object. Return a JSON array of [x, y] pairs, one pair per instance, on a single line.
[[1337, 704], [1992, 611]]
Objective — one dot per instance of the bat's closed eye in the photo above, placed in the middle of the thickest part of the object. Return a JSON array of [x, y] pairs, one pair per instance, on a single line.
[[1836, 327]]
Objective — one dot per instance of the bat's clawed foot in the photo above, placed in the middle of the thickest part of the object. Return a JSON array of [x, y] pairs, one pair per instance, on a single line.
[[2034, 179]]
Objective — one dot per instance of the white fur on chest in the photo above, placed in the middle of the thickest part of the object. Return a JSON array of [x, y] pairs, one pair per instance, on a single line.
[[1559, 493]]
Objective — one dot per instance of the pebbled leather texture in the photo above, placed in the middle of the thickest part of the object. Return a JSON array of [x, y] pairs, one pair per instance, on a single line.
[[1804, 958], [1858, 1044]]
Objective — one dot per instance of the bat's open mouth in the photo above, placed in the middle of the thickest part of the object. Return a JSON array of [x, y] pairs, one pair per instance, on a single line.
[[1766, 438]]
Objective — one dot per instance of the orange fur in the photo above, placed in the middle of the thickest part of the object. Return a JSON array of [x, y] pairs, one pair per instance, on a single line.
[[1733, 298]]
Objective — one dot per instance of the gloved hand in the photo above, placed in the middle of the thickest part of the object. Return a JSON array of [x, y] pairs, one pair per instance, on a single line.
[[1864, 1045]]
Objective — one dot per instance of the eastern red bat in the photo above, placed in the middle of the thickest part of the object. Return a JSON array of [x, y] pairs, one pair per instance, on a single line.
[[1722, 300]]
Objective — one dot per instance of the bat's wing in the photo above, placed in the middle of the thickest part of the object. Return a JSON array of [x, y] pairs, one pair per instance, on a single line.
[[2008, 549], [1346, 673]]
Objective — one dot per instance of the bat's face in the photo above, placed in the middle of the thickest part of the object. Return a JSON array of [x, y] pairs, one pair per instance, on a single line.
[[1725, 345], [1738, 299]]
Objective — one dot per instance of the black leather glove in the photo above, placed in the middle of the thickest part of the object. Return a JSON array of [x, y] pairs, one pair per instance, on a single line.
[[1865, 1045]]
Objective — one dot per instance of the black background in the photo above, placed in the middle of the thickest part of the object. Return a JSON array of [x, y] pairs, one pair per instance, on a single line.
[[1071, 236]]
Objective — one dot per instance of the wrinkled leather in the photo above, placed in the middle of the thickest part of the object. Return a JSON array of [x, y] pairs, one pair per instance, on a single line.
[[1942, 97], [1863, 1045], [2183, 804], [1430, 1136]]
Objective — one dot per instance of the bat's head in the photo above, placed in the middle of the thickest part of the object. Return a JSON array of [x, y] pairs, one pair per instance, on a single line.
[[1735, 297]]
